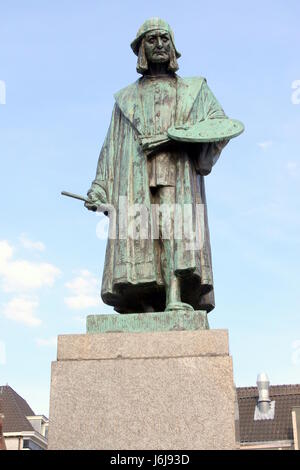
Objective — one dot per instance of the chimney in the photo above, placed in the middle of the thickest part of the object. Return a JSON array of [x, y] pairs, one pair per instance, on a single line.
[[263, 384], [265, 408]]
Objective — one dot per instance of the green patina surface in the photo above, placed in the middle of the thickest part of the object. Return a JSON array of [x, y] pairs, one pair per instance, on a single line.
[[147, 322], [143, 173]]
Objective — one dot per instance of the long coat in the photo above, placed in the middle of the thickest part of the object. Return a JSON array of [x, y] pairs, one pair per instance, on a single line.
[[132, 276]]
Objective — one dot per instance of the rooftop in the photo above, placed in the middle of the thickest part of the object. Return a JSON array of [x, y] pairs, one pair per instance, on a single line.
[[280, 428], [15, 409]]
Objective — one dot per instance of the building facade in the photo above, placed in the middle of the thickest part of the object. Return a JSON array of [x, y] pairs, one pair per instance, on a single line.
[[22, 429]]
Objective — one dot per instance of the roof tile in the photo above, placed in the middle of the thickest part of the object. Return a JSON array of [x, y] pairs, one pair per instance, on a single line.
[[15, 410], [280, 428]]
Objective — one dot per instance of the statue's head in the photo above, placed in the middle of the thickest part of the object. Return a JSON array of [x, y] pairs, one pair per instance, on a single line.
[[154, 43]]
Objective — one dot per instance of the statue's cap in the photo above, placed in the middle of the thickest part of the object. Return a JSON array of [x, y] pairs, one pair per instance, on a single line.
[[151, 25]]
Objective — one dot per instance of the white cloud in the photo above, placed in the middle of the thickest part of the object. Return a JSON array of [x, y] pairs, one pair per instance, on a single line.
[[265, 145], [30, 245], [85, 282], [84, 291], [78, 302], [6, 252], [85, 273], [48, 342], [21, 275], [26, 275], [22, 310]]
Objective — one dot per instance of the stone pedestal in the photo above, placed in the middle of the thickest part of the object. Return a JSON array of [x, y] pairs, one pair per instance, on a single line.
[[149, 390]]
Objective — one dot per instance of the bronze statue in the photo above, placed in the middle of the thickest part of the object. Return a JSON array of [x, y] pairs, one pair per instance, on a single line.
[[140, 164]]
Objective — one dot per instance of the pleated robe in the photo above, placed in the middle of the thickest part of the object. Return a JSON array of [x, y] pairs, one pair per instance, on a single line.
[[132, 279]]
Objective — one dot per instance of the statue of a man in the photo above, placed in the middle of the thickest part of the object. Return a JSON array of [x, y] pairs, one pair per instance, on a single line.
[[140, 164]]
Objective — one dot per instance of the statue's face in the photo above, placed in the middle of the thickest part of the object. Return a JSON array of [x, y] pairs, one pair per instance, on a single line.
[[157, 46]]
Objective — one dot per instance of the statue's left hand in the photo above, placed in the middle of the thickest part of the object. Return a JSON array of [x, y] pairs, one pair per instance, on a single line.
[[208, 155]]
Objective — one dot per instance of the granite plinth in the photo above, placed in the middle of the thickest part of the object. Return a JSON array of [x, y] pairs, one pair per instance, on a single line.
[[159, 390]]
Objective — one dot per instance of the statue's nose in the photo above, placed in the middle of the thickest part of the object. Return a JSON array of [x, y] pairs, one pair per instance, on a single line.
[[159, 43]]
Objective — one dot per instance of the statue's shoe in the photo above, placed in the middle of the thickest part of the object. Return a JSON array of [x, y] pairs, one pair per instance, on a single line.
[[178, 306]]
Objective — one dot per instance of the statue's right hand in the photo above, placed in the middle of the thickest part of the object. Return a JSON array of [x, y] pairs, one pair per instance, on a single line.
[[97, 196]]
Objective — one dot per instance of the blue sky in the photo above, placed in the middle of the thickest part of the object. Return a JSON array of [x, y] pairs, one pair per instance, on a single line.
[[61, 62]]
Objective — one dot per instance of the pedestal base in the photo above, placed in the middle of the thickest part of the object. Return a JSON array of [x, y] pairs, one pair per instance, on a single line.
[[178, 320], [159, 390]]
